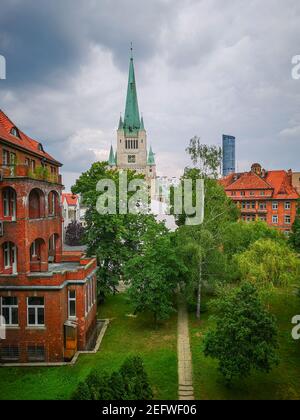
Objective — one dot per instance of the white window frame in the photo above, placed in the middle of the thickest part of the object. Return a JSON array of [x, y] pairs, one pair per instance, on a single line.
[[290, 220], [10, 308], [7, 255], [6, 207], [287, 205], [36, 308], [72, 299], [273, 219], [274, 205]]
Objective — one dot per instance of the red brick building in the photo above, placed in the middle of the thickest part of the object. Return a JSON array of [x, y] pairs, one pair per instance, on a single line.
[[264, 195], [47, 296]]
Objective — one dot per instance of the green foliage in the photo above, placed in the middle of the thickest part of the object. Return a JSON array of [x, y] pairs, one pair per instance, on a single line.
[[218, 208], [295, 234], [207, 157], [129, 383], [269, 264], [82, 392], [245, 338], [237, 237], [74, 234], [113, 238], [200, 246], [135, 379], [153, 274]]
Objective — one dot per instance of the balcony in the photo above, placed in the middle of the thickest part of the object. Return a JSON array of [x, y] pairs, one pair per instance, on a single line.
[[24, 171]]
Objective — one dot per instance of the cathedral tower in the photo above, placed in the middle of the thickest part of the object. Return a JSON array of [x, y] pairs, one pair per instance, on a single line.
[[132, 151]]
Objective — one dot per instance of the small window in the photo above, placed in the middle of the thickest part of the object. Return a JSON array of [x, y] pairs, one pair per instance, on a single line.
[[287, 205], [36, 311], [275, 205], [243, 193], [131, 159], [72, 303], [36, 353], [287, 220], [9, 310], [14, 132], [9, 353], [275, 220], [5, 158], [262, 193]]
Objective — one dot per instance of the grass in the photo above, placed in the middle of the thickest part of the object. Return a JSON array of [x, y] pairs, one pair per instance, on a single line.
[[125, 336], [283, 383]]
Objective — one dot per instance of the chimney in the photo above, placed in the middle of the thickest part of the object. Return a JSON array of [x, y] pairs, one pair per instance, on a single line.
[[290, 177]]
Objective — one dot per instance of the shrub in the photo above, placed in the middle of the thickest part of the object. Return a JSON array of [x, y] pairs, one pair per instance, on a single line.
[[129, 383], [74, 234]]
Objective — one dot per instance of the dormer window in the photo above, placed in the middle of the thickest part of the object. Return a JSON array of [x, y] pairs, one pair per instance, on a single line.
[[14, 132], [40, 147]]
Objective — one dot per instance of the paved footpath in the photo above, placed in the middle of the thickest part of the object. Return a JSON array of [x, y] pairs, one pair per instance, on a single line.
[[185, 377]]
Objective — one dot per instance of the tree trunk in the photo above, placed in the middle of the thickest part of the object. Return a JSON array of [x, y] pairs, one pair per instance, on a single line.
[[198, 313]]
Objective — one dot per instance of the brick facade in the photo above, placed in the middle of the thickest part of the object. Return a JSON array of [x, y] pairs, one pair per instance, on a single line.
[[269, 196], [47, 296]]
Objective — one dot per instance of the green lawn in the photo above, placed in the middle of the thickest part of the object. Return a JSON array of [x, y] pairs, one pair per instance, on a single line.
[[124, 336], [283, 383]]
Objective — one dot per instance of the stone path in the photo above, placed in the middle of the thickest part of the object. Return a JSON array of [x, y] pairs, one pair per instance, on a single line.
[[185, 377]]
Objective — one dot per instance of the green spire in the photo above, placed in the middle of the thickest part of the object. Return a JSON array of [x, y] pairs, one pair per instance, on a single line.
[[120, 123], [111, 160], [132, 115], [151, 157], [142, 124]]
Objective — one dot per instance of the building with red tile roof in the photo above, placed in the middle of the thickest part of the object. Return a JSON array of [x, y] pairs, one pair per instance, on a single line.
[[269, 196], [47, 296]]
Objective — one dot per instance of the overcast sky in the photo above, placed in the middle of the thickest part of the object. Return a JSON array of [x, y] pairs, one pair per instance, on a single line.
[[203, 67]]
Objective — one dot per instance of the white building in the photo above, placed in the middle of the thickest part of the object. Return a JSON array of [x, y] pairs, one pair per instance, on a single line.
[[70, 210]]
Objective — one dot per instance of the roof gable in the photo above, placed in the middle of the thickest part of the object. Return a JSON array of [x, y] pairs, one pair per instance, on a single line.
[[24, 142]]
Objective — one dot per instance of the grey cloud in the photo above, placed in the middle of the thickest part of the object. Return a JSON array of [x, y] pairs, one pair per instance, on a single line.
[[203, 67]]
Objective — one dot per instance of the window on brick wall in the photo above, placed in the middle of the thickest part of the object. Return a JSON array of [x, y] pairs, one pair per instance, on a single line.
[[9, 353], [36, 311], [36, 353], [10, 310], [275, 205], [275, 220], [287, 205], [72, 303], [9, 201], [287, 220]]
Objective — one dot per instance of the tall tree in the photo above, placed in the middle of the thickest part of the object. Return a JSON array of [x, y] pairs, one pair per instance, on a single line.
[[269, 264], [202, 243], [113, 238], [295, 235], [153, 274], [245, 337], [206, 158]]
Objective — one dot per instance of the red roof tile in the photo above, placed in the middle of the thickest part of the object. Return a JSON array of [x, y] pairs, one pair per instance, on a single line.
[[277, 181], [72, 199], [248, 181], [24, 142]]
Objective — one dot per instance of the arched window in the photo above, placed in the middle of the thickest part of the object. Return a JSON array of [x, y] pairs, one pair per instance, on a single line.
[[9, 203], [10, 261], [36, 204], [53, 247], [38, 255], [53, 203]]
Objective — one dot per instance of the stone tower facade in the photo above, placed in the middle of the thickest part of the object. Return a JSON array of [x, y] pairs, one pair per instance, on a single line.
[[132, 150]]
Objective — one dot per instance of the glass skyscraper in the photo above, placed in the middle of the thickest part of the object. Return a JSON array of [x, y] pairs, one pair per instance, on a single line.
[[228, 155]]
